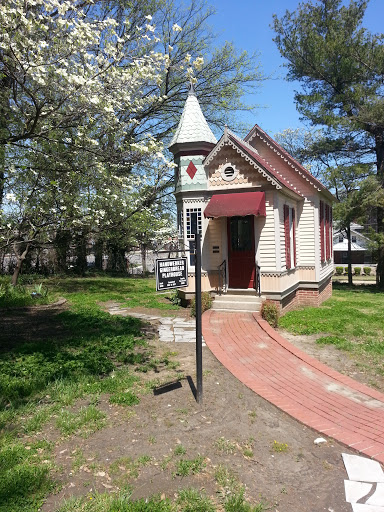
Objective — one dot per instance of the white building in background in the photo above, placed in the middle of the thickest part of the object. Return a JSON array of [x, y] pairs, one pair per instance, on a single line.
[[361, 253]]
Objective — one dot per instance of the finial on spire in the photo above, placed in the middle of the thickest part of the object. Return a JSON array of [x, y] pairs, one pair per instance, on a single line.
[[191, 90]]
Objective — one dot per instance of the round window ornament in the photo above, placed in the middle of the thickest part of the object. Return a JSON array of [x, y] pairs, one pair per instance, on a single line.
[[229, 172]]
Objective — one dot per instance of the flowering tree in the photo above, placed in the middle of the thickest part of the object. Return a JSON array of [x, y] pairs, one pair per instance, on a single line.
[[68, 81], [89, 89]]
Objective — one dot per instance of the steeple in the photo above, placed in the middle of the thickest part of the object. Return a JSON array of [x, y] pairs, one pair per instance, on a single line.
[[193, 127]]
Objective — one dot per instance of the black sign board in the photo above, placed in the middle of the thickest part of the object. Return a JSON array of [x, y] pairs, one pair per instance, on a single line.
[[171, 273]]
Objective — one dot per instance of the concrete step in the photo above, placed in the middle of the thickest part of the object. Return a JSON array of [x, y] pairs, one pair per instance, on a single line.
[[229, 297], [240, 303], [242, 291]]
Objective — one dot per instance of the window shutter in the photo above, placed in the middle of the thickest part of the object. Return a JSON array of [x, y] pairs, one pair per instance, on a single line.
[[287, 238], [322, 231], [327, 238], [294, 236], [331, 229]]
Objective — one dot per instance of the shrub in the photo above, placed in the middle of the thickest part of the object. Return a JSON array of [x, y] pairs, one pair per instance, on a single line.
[[270, 313], [339, 271], [346, 270], [357, 271], [367, 270], [206, 303]]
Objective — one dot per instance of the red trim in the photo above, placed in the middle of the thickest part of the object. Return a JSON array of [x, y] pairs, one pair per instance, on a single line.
[[321, 214], [294, 235], [287, 238]]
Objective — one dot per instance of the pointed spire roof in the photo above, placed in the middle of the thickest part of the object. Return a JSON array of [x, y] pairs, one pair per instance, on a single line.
[[193, 126]]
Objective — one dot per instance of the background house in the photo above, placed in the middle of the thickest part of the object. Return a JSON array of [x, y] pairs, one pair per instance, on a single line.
[[361, 254]]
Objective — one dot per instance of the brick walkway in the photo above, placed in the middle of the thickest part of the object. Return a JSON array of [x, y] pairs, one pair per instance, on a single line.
[[319, 397]]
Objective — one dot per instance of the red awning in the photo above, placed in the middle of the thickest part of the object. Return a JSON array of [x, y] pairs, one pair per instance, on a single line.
[[236, 205]]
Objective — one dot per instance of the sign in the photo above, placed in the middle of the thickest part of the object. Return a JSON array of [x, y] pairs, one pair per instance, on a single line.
[[171, 273]]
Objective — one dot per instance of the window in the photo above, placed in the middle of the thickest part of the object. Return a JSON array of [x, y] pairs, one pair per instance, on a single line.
[[341, 238], [229, 172], [193, 222], [353, 238]]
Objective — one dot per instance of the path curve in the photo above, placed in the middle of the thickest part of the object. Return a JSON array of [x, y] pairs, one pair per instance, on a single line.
[[308, 390]]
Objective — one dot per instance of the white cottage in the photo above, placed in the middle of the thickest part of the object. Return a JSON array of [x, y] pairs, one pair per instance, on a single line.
[[265, 221]]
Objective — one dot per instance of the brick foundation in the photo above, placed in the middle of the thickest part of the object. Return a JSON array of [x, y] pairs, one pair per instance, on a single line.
[[305, 297]]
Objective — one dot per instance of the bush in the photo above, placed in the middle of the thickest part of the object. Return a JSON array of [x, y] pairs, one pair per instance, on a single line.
[[346, 270], [339, 271], [270, 313], [357, 271], [206, 303], [367, 270]]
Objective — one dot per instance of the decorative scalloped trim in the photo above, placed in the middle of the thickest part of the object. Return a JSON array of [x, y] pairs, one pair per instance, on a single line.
[[190, 201], [263, 139], [246, 158]]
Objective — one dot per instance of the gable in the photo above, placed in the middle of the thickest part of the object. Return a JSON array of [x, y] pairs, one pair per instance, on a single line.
[[245, 175], [278, 158], [252, 169]]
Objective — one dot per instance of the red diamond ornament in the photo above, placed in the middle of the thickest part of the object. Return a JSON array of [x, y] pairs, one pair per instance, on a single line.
[[191, 170]]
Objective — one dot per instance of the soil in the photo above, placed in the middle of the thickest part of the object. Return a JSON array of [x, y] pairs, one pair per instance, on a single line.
[[271, 454]]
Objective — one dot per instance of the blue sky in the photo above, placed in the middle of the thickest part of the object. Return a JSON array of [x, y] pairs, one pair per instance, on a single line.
[[247, 24]]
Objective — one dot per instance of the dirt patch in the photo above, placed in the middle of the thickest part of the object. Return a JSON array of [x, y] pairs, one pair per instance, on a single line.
[[28, 324], [357, 367]]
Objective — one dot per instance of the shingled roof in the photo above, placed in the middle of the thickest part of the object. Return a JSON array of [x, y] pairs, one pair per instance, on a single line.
[[193, 126]]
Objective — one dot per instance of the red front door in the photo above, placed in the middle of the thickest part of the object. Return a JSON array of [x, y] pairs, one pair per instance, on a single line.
[[241, 252]]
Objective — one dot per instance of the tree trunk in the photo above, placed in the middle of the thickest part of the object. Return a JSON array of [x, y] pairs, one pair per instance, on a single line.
[[81, 254], [98, 248], [61, 245], [20, 259], [379, 140], [349, 257], [143, 249]]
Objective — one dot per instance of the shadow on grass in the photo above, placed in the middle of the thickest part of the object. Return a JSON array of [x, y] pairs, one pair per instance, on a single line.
[[359, 288], [91, 343]]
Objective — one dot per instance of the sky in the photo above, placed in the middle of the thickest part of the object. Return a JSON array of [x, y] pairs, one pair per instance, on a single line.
[[247, 24]]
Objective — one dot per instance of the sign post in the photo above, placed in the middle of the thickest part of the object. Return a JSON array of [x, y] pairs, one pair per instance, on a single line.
[[173, 273], [199, 343]]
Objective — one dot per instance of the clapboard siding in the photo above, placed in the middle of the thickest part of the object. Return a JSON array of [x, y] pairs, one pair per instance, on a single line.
[[306, 234], [267, 245], [213, 237]]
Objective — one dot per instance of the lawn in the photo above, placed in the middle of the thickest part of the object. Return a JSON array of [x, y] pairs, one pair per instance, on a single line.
[[65, 375], [351, 320], [57, 371]]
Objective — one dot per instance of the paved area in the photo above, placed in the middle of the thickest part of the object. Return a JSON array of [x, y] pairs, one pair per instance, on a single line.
[[319, 397], [170, 329]]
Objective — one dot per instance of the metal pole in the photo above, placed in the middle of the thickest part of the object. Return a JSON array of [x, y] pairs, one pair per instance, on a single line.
[[199, 343]]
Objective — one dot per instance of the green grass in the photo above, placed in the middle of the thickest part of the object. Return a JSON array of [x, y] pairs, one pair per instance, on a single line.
[[352, 320], [95, 353], [185, 467], [21, 295], [120, 503], [87, 420]]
